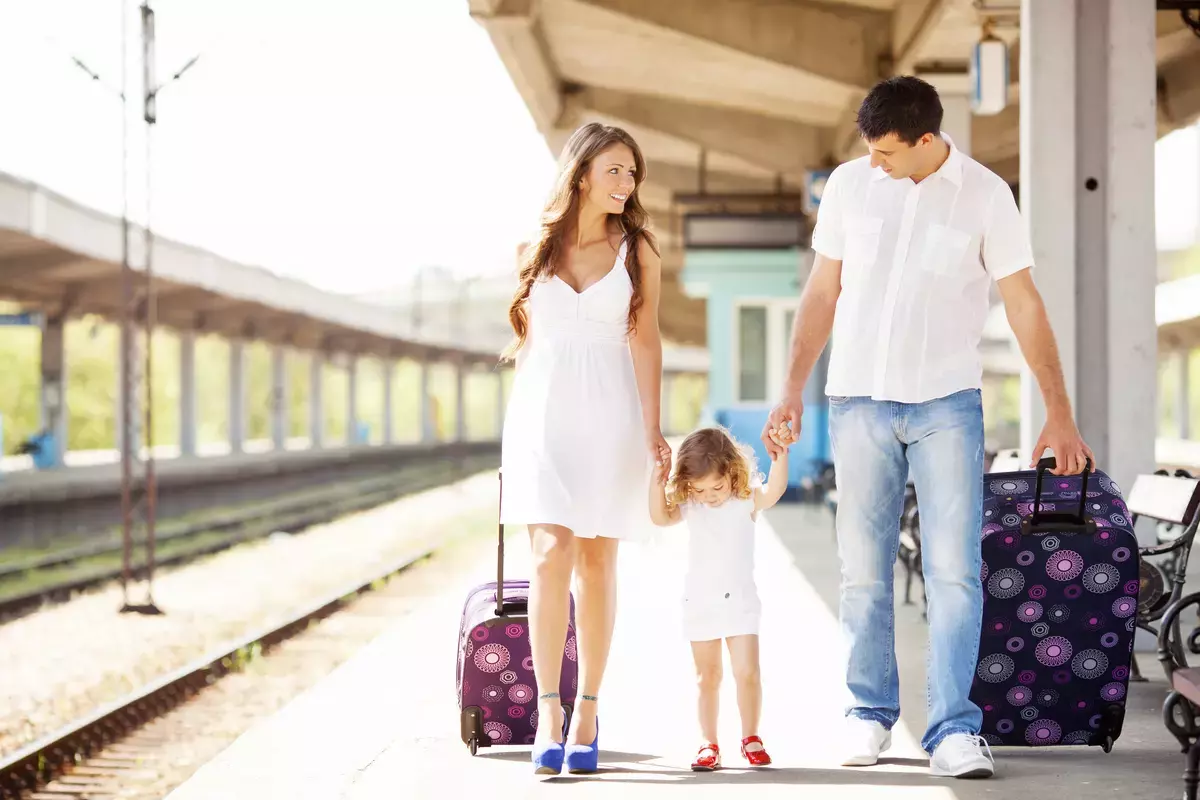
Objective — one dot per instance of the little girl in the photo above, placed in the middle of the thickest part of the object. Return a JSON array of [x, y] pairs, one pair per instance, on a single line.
[[714, 490]]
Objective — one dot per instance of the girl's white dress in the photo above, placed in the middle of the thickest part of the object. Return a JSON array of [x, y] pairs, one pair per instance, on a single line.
[[573, 448], [720, 596]]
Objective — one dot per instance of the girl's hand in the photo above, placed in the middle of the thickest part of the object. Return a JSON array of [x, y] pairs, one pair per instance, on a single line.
[[661, 473], [660, 451], [783, 434]]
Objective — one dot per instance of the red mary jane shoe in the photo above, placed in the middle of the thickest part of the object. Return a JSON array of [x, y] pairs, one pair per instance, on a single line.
[[708, 759], [757, 758]]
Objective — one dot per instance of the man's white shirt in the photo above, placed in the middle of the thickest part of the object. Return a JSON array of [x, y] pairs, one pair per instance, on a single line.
[[917, 263]]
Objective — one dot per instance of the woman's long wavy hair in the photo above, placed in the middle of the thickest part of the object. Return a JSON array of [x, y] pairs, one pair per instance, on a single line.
[[543, 257], [708, 451]]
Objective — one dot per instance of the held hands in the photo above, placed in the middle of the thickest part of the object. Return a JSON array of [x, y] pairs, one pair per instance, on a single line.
[[783, 426], [662, 472], [660, 451], [1070, 451]]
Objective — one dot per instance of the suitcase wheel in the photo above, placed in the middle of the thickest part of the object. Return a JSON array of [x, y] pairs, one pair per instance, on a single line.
[[1107, 744], [471, 726]]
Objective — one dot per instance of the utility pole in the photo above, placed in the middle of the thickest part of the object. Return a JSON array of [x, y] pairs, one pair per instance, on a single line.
[[139, 488]]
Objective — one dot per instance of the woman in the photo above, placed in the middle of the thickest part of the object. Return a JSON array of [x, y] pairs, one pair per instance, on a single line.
[[583, 412]]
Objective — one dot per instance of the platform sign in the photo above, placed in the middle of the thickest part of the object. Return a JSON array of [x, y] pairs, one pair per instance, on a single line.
[[24, 318], [814, 187]]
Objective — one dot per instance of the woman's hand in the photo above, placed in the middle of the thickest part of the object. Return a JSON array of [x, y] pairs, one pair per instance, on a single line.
[[662, 473], [660, 451]]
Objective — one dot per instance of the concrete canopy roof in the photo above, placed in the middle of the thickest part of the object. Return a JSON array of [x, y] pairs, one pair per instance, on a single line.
[[64, 259], [764, 89]]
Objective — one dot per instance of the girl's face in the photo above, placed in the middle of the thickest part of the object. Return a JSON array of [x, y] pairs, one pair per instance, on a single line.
[[712, 490]]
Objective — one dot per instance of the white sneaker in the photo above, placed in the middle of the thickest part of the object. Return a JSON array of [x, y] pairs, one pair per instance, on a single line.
[[863, 741], [961, 755]]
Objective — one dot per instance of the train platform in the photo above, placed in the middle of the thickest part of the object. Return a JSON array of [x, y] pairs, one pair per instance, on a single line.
[[385, 724]]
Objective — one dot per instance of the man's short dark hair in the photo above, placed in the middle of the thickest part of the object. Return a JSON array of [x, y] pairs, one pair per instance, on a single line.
[[906, 106]]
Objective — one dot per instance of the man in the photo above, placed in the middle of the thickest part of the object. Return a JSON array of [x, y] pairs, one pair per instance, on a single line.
[[907, 240]]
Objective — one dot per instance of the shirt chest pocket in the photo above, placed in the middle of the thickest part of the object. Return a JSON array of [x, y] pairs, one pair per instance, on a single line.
[[862, 240], [945, 249]]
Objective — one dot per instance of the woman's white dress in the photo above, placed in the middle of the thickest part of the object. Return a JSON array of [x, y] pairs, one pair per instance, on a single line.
[[720, 597], [574, 452]]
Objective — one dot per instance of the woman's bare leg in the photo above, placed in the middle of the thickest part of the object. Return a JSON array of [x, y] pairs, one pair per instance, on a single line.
[[595, 616], [553, 558]]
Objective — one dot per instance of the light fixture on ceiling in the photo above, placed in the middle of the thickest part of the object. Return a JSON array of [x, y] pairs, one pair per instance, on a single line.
[[989, 73]]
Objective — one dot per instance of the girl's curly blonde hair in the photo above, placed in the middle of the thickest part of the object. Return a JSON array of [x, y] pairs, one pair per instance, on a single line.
[[704, 452]]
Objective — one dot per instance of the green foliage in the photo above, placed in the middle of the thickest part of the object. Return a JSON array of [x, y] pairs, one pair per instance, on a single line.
[[19, 361], [257, 363], [212, 390]]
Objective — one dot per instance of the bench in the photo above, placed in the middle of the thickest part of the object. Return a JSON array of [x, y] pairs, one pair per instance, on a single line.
[[1172, 501], [1180, 709], [909, 552]]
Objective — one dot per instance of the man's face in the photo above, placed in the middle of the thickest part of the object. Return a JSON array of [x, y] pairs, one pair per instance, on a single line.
[[897, 158]]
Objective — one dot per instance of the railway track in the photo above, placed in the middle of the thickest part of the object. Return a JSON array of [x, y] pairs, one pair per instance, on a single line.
[[186, 541], [148, 742]]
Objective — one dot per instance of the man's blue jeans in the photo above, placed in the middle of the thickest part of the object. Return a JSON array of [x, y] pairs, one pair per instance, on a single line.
[[875, 444]]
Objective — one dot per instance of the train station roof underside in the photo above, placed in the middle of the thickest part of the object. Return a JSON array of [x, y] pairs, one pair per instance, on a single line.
[[759, 91]]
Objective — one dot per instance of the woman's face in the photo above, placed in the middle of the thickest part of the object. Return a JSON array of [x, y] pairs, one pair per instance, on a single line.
[[610, 179]]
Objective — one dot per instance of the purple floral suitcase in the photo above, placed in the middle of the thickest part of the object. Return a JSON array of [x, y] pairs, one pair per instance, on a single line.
[[497, 692], [1060, 582]]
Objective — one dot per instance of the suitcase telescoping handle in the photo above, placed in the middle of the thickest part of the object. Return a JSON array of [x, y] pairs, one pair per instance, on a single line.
[[1058, 521], [500, 549], [514, 606]]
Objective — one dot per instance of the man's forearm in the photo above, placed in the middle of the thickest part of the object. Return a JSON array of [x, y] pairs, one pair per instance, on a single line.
[[810, 333], [1036, 340]]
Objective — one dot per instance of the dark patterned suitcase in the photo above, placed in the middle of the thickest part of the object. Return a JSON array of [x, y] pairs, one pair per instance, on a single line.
[[497, 692], [1060, 586]]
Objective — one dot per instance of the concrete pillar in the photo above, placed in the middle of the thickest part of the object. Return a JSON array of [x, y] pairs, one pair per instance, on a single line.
[[1183, 399], [316, 409], [460, 401], [1087, 193], [500, 403], [53, 405], [389, 374], [237, 395], [428, 431], [352, 399], [955, 91], [280, 406], [187, 393]]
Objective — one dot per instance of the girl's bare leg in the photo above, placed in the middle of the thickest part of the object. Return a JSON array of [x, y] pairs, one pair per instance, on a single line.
[[743, 657], [707, 656]]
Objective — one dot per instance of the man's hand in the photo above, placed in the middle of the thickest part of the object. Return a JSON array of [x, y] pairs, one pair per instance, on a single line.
[[1070, 451], [774, 437]]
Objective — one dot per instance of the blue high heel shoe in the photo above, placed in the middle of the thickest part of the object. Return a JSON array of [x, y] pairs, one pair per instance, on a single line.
[[548, 757], [584, 758]]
